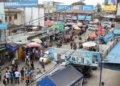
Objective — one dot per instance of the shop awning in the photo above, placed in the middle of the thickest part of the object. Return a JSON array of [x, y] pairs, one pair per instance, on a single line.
[[12, 47], [2, 48], [46, 82], [66, 77]]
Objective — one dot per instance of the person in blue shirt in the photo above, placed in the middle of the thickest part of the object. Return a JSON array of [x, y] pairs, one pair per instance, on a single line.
[[11, 77]]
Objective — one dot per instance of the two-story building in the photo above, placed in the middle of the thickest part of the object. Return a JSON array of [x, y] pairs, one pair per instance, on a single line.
[[14, 16], [74, 13]]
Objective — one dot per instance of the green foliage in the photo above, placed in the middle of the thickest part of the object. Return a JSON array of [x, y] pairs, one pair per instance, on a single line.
[[99, 7], [78, 3]]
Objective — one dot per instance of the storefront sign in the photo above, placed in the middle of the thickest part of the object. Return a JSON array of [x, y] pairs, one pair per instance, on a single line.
[[110, 8], [63, 7], [77, 7], [21, 3], [88, 8], [81, 17], [89, 18], [2, 46], [3, 26], [85, 58]]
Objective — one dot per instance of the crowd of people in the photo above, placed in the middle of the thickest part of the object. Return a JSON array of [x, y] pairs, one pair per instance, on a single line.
[[13, 75]]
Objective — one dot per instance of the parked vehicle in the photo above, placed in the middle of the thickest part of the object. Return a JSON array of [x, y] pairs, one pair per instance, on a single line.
[[84, 69], [46, 59]]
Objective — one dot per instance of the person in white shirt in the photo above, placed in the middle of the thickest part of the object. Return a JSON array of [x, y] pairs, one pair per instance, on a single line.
[[7, 76], [13, 62], [17, 75]]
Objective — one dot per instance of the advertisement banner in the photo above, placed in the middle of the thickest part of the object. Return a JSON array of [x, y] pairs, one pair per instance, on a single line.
[[81, 17], [48, 3], [21, 3], [110, 2], [110, 8], [88, 8], [77, 7], [89, 18], [85, 58], [63, 7]]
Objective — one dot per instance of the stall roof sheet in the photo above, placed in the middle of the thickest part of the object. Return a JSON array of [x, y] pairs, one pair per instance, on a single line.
[[66, 77], [114, 55]]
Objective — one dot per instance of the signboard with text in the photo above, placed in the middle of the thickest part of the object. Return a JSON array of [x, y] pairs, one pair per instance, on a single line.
[[3, 26], [85, 58], [21, 3], [63, 7], [88, 8], [110, 5]]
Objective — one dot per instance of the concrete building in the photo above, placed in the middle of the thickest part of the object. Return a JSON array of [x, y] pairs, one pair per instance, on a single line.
[[14, 16], [77, 13]]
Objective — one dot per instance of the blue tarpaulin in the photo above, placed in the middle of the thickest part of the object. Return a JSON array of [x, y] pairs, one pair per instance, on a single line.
[[112, 61], [108, 37], [46, 82], [12, 48]]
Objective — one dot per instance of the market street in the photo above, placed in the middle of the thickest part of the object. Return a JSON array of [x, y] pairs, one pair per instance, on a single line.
[[110, 77]]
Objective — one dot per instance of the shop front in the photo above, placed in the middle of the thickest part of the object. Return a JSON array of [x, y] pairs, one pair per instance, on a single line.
[[2, 50], [12, 49]]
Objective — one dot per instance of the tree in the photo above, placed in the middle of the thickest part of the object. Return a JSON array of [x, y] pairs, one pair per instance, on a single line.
[[79, 3], [99, 7]]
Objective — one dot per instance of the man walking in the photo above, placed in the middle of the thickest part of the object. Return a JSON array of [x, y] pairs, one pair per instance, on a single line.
[[22, 74], [17, 75], [71, 44]]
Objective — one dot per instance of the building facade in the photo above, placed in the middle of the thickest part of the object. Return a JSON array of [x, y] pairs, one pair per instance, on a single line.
[[14, 16], [75, 13]]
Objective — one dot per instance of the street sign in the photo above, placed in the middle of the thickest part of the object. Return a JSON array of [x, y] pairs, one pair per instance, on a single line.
[[21, 3], [3, 26]]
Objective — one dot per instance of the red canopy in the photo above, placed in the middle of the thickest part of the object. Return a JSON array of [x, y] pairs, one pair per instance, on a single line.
[[33, 44], [93, 36]]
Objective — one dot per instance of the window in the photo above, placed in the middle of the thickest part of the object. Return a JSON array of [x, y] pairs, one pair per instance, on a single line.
[[5, 18], [10, 18], [15, 16]]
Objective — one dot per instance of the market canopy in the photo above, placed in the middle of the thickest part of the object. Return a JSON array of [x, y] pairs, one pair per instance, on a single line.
[[33, 44], [77, 28], [112, 60], [89, 44], [93, 36], [37, 40], [66, 77]]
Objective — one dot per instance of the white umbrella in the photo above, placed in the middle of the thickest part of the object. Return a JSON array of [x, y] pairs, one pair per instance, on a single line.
[[37, 40], [89, 44]]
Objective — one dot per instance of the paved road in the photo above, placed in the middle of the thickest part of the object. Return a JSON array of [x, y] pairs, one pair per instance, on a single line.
[[110, 77]]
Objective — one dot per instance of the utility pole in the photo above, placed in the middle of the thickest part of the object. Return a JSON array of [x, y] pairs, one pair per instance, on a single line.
[[24, 20]]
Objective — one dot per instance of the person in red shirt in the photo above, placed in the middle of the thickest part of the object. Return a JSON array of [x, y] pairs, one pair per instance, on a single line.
[[100, 30]]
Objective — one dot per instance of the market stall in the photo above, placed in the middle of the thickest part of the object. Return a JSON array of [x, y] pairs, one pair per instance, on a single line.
[[68, 76]]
